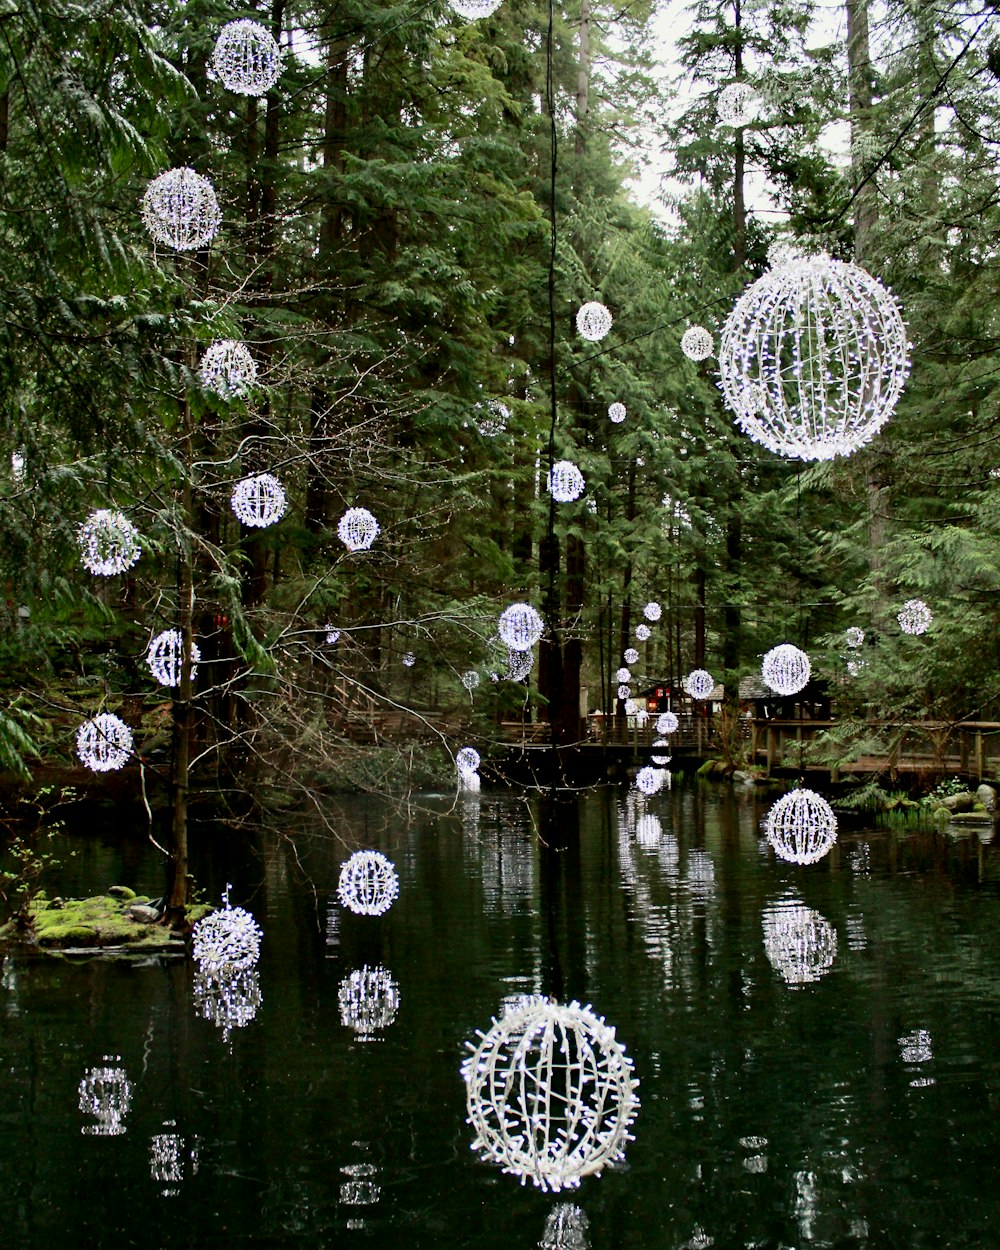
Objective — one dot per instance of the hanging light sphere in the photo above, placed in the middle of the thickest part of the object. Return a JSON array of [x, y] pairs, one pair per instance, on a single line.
[[409, 659], [180, 210], [914, 617], [472, 10], [520, 626], [104, 744], [593, 321], [259, 501], [785, 669], [105, 1092], [470, 680], [246, 58], [491, 418], [637, 708], [652, 611], [228, 370], [468, 760], [164, 658], [368, 883], [229, 1000], [800, 943], [519, 665], [109, 543], [854, 637], [357, 529], [624, 691], [699, 684], [332, 635], [661, 761], [226, 941], [813, 358], [642, 632], [17, 469], [617, 413], [648, 780], [738, 105], [623, 675], [565, 481], [631, 656], [801, 827], [667, 723], [369, 1000], [550, 1093], [697, 343]]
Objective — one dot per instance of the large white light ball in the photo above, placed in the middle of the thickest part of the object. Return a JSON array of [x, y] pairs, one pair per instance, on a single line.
[[566, 482], [246, 58], [617, 413], [164, 658], [259, 501], [786, 669], [652, 611], [227, 941], [104, 744], [357, 529], [738, 105], [699, 683], [697, 343], [470, 680], [854, 637], [813, 358], [801, 826], [800, 943], [368, 883], [593, 321], [409, 659], [228, 369], [914, 617], [109, 543], [520, 626], [180, 210], [667, 723]]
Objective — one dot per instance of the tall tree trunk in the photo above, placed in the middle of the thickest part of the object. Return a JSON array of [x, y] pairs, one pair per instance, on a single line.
[[583, 80]]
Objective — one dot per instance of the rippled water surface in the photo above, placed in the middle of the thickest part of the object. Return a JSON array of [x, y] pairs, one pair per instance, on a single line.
[[817, 1048]]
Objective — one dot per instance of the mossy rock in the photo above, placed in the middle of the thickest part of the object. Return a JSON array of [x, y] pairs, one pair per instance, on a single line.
[[97, 922]]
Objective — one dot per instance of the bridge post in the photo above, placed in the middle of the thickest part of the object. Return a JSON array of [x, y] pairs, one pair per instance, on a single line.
[[980, 755]]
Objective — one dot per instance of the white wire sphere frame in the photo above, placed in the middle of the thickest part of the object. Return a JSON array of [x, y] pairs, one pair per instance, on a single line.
[[854, 637], [227, 941], [667, 723], [652, 611], [623, 675], [738, 105], [491, 418], [104, 743], [785, 669], [368, 883], [108, 542], [617, 413], [566, 482], [593, 321], [473, 10], [180, 210], [357, 529], [246, 58], [369, 1000], [467, 760], [914, 617], [470, 680], [550, 1094], [227, 369], [649, 780], [699, 683], [813, 358], [801, 827], [642, 632], [520, 626], [631, 656], [105, 1092], [164, 658], [697, 343], [624, 692], [800, 943], [259, 501]]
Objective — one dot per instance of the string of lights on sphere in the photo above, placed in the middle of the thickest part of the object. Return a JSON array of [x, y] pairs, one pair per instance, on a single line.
[[246, 58], [699, 683], [226, 941], [593, 321], [227, 1000], [652, 611], [473, 10], [697, 343], [491, 418], [164, 658], [785, 669], [623, 675], [566, 482], [813, 357], [800, 943], [368, 883], [520, 626], [642, 632], [259, 501], [179, 209], [550, 1093], [617, 413], [104, 743], [467, 760], [470, 680], [914, 617], [648, 780], [667, 723], [105, 1092], [108, 542], [357, 529], [738, 105], [801, 827], [854, 637], [369, 1000], [227, 369], [631, 656]]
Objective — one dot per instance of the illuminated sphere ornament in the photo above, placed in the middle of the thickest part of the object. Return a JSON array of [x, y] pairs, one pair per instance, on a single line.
[[105, 1092], [491, 418], [332, 635], [738, 104], [519, 665], [228, 369], [667, 723], [652, 611], [520, 626], [800, 943], [801, 827], [593, 321], [409, 659], [642, 632], [565, 481], [468, 760], [368, 883], [472, 10], [246, 58], [369, 1000], [357, 529], [631, 656], [624, 691], [617, 413], [914, 617], [813, 358], [180, 210], [259, 501], [550, 1093], [697, 343], [470, 680], [164, 658], [854, 637], [623, 675], [17, 469], [109, 543], [699, 684], [227, 941], [648, 780], [104, 744], [785, 669]]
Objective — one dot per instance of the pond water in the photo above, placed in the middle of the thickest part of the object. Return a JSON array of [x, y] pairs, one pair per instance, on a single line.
[[817, 1048]]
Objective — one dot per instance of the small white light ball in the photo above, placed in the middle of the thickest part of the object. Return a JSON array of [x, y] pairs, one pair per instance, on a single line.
[[468, 760], [699, 684], [259, 501], [180, 210], [697, 343], [667, 723], [164, 658], [652, 611], [409, 659], [246, 58], [519, 665], [648, 780], [109, 543], [368, 884], [104, 743], [786, 669], [801, 827], [357, 529], [593, 321], [855, 667], [227, 941], [914, 617], [520, 626], [566, 482], [617, 413], [470, 680], [624, 692], [228, 369], [854, 637], [332, 636], [17, 469], [631, 656], [642, 632], [738, 105], [623, 675]]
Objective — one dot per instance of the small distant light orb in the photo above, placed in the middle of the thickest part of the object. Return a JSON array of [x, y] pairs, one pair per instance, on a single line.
[[667, 723], [180, 210], [369, 1000], [914, 617], [246, 58], [697, 343], [617, 413], [164, 658], [17, 466], [783, 252], [661, 760], [648, 780], [593, 321], [368, 883], [468, 760], [624, 692], [855, 667], [109, 543], [357, 529], [637, 708], [786, 669], [104, 744], [332, 636], [520, 626], [801, 827], [473, 10], [470, 680], [409, 659], [491, 418], [854, 637], [642, 632], [738, 105], [623, 675], [226, 941], [652, 611], [699, 684], [566, 482], [631, 656], [800, 943], [228, 370]]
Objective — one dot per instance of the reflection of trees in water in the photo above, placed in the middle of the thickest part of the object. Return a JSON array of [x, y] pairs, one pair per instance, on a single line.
[[502, 840]]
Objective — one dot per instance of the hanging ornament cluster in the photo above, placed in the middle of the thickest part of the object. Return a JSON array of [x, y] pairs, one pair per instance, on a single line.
[[104, 744], [472, 10], [520, 626], [593, 321], [470, 680], [259, 501], [801, 827], [699, 684], [368, 884], [180, 210], [786, 669], [642, 632], [491, 418], [697, 343], [854, 637], [228, 1000], [617, 413], [369, 1000], [800, 943], [550, 1093], [652, 611], [226, 941], [566, 482], [164, 658], [813, 358], [631, 656], [738, 105], [667, 723], [246, 58], [914, 617], [105, 1092], [357, 529], [109, 543], [227, 369]]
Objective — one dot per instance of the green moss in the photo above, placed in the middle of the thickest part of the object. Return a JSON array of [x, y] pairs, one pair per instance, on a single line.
[[99, 921]]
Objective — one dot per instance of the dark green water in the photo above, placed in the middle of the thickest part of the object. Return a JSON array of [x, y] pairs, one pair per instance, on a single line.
[[856, 1109]]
